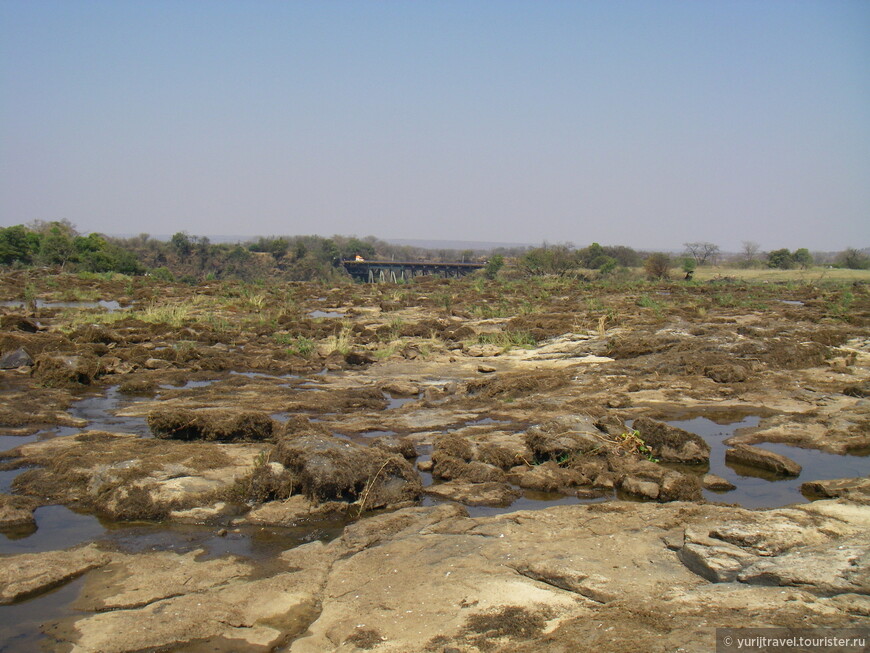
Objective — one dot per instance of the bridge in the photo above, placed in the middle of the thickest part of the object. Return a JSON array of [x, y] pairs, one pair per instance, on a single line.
[[395, 271]]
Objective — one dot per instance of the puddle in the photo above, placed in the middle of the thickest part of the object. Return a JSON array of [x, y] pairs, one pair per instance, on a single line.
[[757, 488], [398, 402], [253, 542], [316, 314], [376, 434], [57, 527], [20, 623], [188, 385], [110, 305], [792, 302], [98, 411]]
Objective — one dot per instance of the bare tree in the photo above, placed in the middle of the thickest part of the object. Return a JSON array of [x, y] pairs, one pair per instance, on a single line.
[[750, 250], [702, 252]]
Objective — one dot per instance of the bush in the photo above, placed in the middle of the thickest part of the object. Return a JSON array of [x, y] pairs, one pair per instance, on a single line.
[[658, 266]]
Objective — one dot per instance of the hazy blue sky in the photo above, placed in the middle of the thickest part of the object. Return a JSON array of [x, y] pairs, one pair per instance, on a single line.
[[646, 123]]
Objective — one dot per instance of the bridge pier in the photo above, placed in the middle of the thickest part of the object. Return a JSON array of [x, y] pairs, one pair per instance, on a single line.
[[394, 271]]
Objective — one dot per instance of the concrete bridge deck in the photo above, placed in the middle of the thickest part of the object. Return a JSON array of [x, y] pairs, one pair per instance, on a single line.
[[395, 271]]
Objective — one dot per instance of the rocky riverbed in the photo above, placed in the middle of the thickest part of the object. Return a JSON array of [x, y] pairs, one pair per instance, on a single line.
[[442, 465]]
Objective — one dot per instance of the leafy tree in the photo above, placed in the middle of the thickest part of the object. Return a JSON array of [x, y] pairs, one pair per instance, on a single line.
[[355, 247], [180, 242], [18, 244], [657, 266], [853, 259], [780, 258], [493, 265], [56, 246], [803, 257], [689, 265]]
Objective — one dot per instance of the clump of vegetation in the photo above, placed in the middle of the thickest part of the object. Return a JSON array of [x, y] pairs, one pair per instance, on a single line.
[[657, 266]]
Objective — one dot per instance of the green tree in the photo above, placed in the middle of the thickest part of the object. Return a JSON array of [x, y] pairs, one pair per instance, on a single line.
[[18, 245], [493, 265], [780, 258], [803, 257], [56, 247]]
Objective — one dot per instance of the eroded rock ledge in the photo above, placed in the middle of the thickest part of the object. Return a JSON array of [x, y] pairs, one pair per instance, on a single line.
[[654, 577]]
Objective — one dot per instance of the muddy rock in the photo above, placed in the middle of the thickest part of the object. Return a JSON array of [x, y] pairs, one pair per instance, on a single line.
[[211, 425], [57, 370], [391, 444], [19, 323], [640, 487], [565, 438], [671, 444], [29, 574], [330, 469], [854, 489], [401, 388], [15, 359], [487, 493], [717, 483], [726, 373], [546, 477], [297, 510], [480, 351], [762, 459], [16, 511], [126, 477]]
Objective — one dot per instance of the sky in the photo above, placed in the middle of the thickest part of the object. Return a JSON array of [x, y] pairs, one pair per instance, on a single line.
[[642, 123]]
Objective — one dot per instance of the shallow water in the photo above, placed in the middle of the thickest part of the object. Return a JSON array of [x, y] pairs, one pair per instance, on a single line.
[[20, 622], [757, 488], [110, 305], [57, 527], [398, 402], [317, 314]]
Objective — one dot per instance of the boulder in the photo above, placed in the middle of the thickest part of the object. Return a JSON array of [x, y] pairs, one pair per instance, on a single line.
[[330, 469], [16, 511], [489, 493], [401, 446], [15, 359], [758, 458], [640, 488], [546, 477], [717, 483], [401, 388], [671, 444]]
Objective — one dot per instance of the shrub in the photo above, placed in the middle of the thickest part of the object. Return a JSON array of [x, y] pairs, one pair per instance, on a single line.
[[658, 266]]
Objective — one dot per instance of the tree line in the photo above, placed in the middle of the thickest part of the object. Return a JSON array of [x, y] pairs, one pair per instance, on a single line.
[[58, 244]]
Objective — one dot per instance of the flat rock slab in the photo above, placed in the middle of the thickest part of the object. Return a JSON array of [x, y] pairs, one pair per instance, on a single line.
[[29, 574], [432, 579], [490, 493], [762, 459]]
